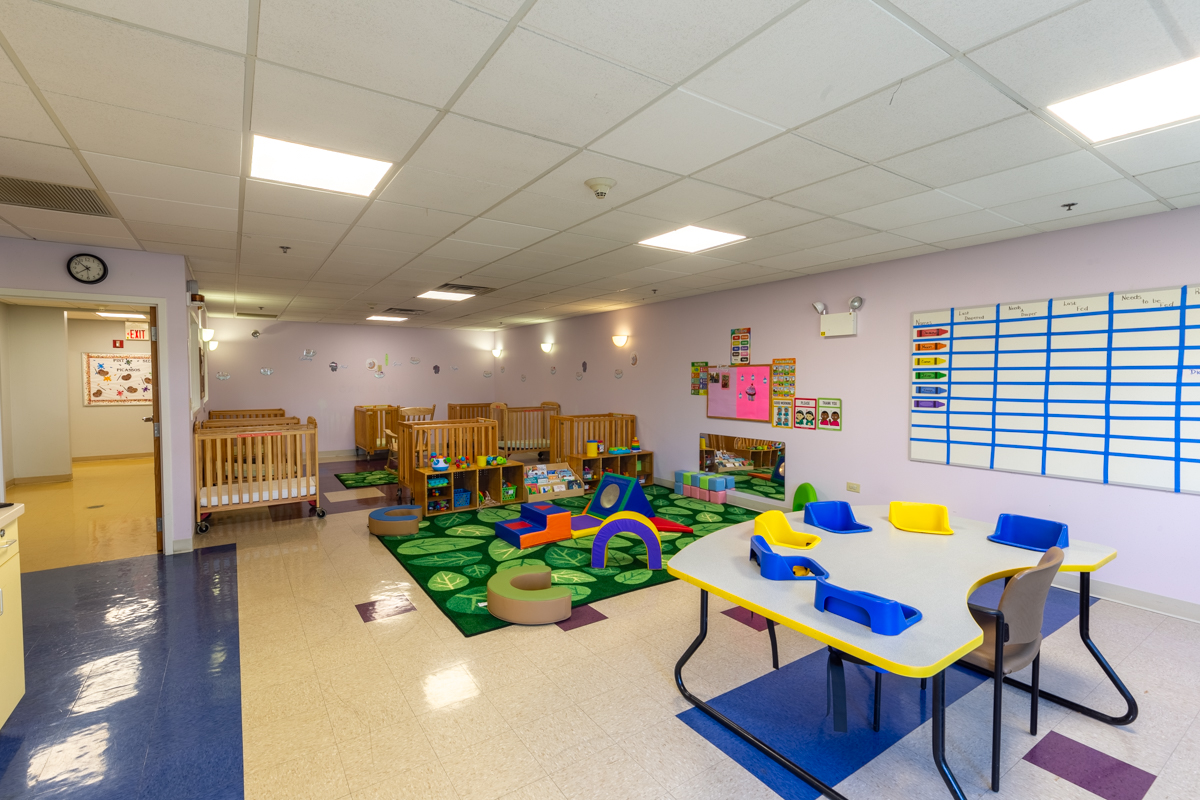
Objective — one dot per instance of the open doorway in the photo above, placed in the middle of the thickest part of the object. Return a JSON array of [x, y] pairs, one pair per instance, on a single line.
[[80, 424]]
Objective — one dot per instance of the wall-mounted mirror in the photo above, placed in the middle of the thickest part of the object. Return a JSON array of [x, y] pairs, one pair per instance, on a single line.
[[757, 465]]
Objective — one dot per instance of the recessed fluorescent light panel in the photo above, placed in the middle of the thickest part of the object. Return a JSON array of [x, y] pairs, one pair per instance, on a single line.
[[435, 295], [1138, 104], [119, 316], [286, 162], [387, 319], [692, 239]]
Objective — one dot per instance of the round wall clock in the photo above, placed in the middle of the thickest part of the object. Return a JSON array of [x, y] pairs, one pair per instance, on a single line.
[[87, 268]]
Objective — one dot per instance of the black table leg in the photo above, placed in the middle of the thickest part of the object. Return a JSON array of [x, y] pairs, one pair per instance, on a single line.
[[939, 736], [774, 644], [1131, 707], [760, 745]]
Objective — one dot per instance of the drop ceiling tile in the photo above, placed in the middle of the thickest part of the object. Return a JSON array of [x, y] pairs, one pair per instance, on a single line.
[[211, 281], [625, 227], [146, 179], [296, 201], [211, 266], [743, 272], [355, 254], [41, 162], [821, 232], [633, 180], [275, 266], [278, 287], [169, 212], [221, 22], [759, 218], [1080, 168], [636, 256], [909, 210], [25, 119], [102, 60], [389, 240], [190, 250], [308, 109], [1187, 201], [180, 234], [543, 211], [799, 261], [1090, 199], [968, 25], [700, 281], [858, 189], [411, 219], [582, 273], [421, 187], [756, 249], [986, 238], [551, 89], [782, 164], [844, 49], [504, 234], [542, 262], [255, 222], [10, 231], [103, 128], [396, 48], [877, 258], [446, 268], [262, 244], [472, 252], [696, 264], [684, 132], [688, 201], [332, 292], [1176, 181], [1107, 215], [1116, 39], [943, 102], [69, 237], [573, 244], [472, 149], [1150, 152], [865, 246], [956, 227], [995, 148], [649, 276], [356, 274]]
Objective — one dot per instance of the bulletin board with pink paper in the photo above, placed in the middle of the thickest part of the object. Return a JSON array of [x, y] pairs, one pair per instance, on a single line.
[[741, 393]]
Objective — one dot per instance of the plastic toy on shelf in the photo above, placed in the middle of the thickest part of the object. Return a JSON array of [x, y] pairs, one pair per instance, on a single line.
[[1030, 533], [775, 567], [834, 516], [920, 517], [773, 528], [437, 463]]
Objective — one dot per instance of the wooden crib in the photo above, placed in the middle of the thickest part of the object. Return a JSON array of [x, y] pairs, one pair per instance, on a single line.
[[415, 442], [524, 428], [247, 413], [225, 424], [370, 422], [569, 435], [469, 410], [253, 466]]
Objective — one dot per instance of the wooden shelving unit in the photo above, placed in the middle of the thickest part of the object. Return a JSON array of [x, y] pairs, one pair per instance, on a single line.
[[472, 480], [639, 465]]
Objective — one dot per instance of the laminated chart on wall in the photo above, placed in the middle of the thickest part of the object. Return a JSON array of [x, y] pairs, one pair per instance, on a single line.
[[1103, 388]]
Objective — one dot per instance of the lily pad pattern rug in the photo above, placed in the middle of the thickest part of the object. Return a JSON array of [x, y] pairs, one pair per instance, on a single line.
[[453, 555], [358, 480], [751, 485]]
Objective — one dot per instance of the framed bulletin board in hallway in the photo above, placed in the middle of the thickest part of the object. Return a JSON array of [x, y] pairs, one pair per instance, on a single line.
[[115, 379]]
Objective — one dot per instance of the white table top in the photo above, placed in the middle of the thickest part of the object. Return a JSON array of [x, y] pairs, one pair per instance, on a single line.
[[935, 574]]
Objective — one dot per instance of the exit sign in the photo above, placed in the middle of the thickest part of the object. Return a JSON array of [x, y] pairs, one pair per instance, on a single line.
[[137, 331], [119, 344]]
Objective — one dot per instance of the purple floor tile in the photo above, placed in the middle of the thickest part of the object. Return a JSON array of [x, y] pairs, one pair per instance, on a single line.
[[746, 617], [1089, 769], [387, 607], [580, 616]]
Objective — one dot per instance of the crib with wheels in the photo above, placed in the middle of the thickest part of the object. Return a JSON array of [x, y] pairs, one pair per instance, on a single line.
[[247, 413], [370, 422], [254, 466]]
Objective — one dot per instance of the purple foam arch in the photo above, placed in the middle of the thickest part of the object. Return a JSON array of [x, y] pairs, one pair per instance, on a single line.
[[642, 530]]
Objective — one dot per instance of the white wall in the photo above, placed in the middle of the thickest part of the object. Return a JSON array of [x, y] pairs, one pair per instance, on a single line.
[[37, 396], [6, 463], [103, 430], [1155, 531]]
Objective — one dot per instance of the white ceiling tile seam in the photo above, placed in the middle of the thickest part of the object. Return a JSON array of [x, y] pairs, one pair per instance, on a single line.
[[252, 18]]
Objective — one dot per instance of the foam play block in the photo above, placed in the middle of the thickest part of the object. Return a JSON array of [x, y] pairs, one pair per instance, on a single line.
[[678, 487], [717, 497], [539, 523], [583, 525], [695, 479], [525, 596], [690, 491], [706, 482], [679, 473], [395, 521], [704, 494]]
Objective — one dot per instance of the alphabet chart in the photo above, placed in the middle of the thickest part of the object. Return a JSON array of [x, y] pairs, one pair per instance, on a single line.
[[1103, 388]]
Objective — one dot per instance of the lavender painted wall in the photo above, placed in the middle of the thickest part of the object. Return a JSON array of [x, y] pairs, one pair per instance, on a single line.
[[1154, 531], [309, 388]]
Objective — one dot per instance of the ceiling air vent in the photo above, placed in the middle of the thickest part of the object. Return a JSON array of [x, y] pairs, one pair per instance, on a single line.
[[405, 312], [248, 315], [464, 288], [52, 196]]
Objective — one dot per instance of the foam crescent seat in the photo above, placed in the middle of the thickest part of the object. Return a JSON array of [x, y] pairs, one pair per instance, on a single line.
[[395, 521], [524, 595]]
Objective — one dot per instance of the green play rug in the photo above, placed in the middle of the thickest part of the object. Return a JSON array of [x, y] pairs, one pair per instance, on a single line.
[[454, 555], [357, 480], [757, 486]]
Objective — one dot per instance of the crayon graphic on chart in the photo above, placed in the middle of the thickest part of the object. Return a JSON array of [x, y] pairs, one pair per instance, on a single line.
[[929, 389], [928, 404], [930, 346], [929, 376], [928, 362], [932, 332]]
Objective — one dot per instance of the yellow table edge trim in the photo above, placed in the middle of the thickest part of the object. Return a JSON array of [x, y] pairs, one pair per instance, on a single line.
[[906, 670]]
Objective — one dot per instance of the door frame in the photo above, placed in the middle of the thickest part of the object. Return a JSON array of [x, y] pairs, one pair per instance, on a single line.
[[160, 368]]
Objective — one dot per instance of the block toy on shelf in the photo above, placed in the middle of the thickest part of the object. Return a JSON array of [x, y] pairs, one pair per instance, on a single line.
[[774, 527], [395, 521], [539, 523], [525, 596]]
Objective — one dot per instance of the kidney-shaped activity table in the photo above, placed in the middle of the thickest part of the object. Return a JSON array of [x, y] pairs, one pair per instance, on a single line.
[[936, 574]]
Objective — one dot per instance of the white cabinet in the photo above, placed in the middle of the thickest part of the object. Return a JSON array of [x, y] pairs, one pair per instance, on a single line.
[[12, 634]]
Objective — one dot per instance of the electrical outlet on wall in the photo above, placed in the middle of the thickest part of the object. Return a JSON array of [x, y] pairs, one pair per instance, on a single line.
[[853, 487]]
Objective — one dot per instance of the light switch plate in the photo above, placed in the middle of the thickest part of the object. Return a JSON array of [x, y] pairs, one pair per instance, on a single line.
[[853, 487]]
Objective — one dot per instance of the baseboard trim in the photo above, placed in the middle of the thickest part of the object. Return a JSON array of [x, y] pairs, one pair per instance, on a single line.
[[41, 479], [1169, 606], [113, 458]]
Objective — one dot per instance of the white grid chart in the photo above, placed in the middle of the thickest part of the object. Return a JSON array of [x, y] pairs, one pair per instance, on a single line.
[[1103, 388]]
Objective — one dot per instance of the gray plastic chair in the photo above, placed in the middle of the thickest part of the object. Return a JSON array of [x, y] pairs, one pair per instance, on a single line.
[[1012, 639]]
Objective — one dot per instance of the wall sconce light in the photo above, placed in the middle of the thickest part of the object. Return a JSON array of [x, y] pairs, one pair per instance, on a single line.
[[820, 307], [547, 347], [497, 352], [207, 333], [620, 340], [212, 344]]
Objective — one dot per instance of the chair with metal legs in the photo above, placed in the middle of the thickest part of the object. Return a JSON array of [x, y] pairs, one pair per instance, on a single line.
[[1012, 640]]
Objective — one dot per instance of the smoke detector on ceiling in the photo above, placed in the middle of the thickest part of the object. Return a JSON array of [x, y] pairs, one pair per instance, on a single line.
[[600, 186]]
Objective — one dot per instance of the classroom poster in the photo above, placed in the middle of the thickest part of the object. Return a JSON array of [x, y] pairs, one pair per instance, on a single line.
[[783, 378], [722, 395], [739, 346], [781, 415], [806, 413], [111, 379], [699, 377], [829, 413], [753, 392]]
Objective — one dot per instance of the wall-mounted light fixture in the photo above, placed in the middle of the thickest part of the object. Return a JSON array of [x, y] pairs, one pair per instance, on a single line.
[[212, 344], [820, 307], [620, 340], [856, 303], [207, 334], [497, 352], [547, 347]]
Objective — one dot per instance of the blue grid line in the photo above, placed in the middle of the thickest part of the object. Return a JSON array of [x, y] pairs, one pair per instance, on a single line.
[[1179, 389]]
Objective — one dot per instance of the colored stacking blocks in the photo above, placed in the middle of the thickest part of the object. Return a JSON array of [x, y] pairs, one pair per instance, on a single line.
[[702, 485], [539, 523]]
